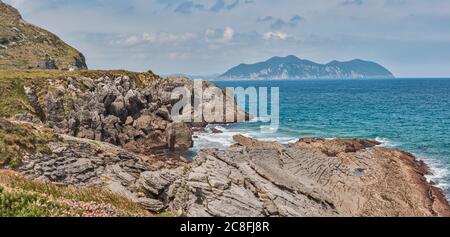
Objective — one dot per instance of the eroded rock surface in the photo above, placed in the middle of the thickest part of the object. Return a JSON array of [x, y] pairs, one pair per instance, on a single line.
[[114, 131], [134, 113], [313, 177]]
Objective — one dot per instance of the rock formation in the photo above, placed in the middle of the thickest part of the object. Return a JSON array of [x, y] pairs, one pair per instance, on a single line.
[[313, 177], [134, 113], [25, 46]]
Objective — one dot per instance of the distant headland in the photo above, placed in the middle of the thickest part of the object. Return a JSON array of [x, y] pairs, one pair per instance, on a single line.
[[292, 67]]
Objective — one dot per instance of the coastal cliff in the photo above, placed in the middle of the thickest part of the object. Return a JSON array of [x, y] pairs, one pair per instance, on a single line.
[[103, 143], [113, 130], [311, 177], [25, 46], [94, 128]]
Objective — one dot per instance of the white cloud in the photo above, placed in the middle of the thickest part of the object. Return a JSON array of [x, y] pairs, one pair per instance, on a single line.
[[178, 55], [132, 40], [154, 38], [275, 35], [409, 32], [164, 37], [219, 36], [228, 34]]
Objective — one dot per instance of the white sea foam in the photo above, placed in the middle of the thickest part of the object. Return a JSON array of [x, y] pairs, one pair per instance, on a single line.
[[386, 142], [216, 140], [440, 172], [225, 139]]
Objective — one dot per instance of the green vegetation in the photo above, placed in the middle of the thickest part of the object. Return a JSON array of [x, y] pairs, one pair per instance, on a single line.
[[12, 82], [18, 138], [166, 214], [22, 197], [30, 205], [27, 46]]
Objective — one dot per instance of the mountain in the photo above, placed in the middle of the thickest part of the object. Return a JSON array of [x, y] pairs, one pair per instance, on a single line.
[[25, 46], [194, 77], [292, 67]]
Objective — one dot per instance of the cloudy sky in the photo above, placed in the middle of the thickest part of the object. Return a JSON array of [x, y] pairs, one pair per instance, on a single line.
[[410, 37]]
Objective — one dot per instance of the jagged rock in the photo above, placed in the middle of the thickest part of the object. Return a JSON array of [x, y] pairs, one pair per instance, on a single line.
[[154, 183], [144, 123], [115, 110], [79, 161], [252, 178], [216, 131], [55, 111], [27, 118], [152, 205], [251, 143], [163, 112], [179, 136], [134, 102], [129, 120], [47, 63]]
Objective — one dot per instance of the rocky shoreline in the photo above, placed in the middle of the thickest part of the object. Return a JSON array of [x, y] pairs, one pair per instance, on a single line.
[[113, 130], [104, 143], [312, 177]]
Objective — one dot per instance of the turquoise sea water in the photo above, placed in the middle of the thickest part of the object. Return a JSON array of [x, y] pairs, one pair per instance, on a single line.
[[410, 114]]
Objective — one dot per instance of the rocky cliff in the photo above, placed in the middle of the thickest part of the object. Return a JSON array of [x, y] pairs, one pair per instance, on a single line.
[[312, 177], [130, 110], [25, 46], [94, 128], [112, 129]]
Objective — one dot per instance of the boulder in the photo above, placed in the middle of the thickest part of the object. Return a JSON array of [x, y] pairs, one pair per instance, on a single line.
[[216, 131], [163, 112], [179, 136], [152, 205]]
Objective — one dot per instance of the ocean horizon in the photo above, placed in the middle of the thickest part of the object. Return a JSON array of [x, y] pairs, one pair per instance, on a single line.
[[411, 114]]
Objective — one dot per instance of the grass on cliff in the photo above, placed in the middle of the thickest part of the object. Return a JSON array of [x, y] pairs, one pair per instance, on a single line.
[[12, 94], [22, 197], [16, 139]]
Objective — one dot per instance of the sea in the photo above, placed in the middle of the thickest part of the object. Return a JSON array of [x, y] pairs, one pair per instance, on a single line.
[[409, 114]]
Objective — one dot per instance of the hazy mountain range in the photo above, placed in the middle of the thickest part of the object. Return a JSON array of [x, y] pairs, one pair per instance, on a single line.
[[292, 67]]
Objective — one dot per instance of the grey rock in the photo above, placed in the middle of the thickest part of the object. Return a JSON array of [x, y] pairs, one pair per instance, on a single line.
[[81, 166], [163, 112], [152, 205], [179, 136]]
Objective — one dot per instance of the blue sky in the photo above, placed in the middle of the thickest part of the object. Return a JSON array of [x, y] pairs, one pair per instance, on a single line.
[[410, 37]]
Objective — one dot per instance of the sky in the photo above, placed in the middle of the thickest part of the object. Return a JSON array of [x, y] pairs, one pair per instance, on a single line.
[[199, 37]]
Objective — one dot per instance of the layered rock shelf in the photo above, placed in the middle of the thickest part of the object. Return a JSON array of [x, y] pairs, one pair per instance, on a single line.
[[312, 177]]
